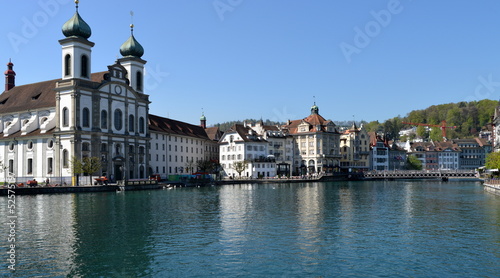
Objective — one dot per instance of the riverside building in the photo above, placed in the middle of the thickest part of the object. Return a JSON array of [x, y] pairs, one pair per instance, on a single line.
[[44, 125]]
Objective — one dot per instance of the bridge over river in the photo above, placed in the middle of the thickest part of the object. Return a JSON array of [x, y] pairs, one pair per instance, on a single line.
[[425, 174]]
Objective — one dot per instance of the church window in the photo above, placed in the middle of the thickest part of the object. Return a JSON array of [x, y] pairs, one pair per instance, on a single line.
[[65, 158], [118, 119], [30, 166], [139, 81], [65, 116], [67, 65], [86, 117], [86, 147], [11, 146], [49, 165], [85, 66], [50, 144], [30, 145], [141, 125], [104, 119], [131, 123], [11, 166]]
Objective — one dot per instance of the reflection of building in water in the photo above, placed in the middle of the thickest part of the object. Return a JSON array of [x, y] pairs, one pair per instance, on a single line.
[[310, 217], [41, 249], [236, 208]]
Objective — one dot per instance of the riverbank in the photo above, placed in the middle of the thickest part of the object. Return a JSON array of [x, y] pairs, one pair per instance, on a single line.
[[137, 185], [131, 186], [492, 185]]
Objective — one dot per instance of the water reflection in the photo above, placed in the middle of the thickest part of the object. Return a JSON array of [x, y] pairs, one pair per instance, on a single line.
[[417, 229], [44, 234]]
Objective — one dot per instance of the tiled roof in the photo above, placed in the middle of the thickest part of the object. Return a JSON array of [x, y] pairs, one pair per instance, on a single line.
[[160, 124], [313, 120], [34, 96], [246, 133], [213, 133]]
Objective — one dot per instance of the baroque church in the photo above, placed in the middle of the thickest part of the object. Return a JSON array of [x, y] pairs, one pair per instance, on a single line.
[[105, 114]]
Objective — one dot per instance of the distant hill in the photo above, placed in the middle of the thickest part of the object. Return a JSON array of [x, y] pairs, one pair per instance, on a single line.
[[468, 118], [227, 125]]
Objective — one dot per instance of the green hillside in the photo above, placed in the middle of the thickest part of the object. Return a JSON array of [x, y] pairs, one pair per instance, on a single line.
[[467, 118]]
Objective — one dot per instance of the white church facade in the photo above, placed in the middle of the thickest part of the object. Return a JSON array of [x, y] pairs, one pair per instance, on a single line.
[[44, 125]]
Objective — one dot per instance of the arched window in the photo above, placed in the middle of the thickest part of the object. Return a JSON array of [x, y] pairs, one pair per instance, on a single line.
[[104, 119], [67, 65], [86, 117], [65, 116], [85, 66], [118, 119], [131, 123], [138, 79], [85, 147], [141, 125], [65, 158]]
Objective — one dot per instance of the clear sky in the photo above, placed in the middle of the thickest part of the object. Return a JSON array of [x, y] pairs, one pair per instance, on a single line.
[[238, 59]]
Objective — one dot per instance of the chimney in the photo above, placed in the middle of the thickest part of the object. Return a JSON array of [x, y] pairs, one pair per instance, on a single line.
[[10, 77]]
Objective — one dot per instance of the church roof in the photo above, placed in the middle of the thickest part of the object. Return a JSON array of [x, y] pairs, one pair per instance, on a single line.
[[34, 96], [161, 124]]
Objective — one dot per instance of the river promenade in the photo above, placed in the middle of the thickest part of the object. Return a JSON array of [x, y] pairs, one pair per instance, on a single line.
[[492, 185]]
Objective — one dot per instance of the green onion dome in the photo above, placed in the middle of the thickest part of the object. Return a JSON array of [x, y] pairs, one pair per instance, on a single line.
[[76, 26], [132, 47]]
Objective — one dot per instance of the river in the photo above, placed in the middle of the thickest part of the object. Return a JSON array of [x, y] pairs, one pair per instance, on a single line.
[[331, 229]]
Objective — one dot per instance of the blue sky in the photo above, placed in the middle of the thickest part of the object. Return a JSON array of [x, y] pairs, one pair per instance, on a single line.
[[238, 59]]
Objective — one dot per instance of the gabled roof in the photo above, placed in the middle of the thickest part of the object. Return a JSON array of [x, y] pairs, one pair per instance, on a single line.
[[246, 133], [213, 133], [161, 124]]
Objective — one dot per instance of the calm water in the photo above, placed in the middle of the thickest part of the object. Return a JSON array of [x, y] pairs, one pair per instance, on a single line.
[[359, 229]]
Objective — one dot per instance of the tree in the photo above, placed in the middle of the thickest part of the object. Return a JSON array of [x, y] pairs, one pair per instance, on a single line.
[[493, 160], [240, 166], [436, 134], [190, 166], [422, 131], [86, 166], [413, 163]]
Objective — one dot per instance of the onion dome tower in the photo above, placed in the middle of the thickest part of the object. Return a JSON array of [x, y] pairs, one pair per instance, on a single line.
[[10, 76], [315, 109], [203, 120], [132, 51], [76, 48]]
